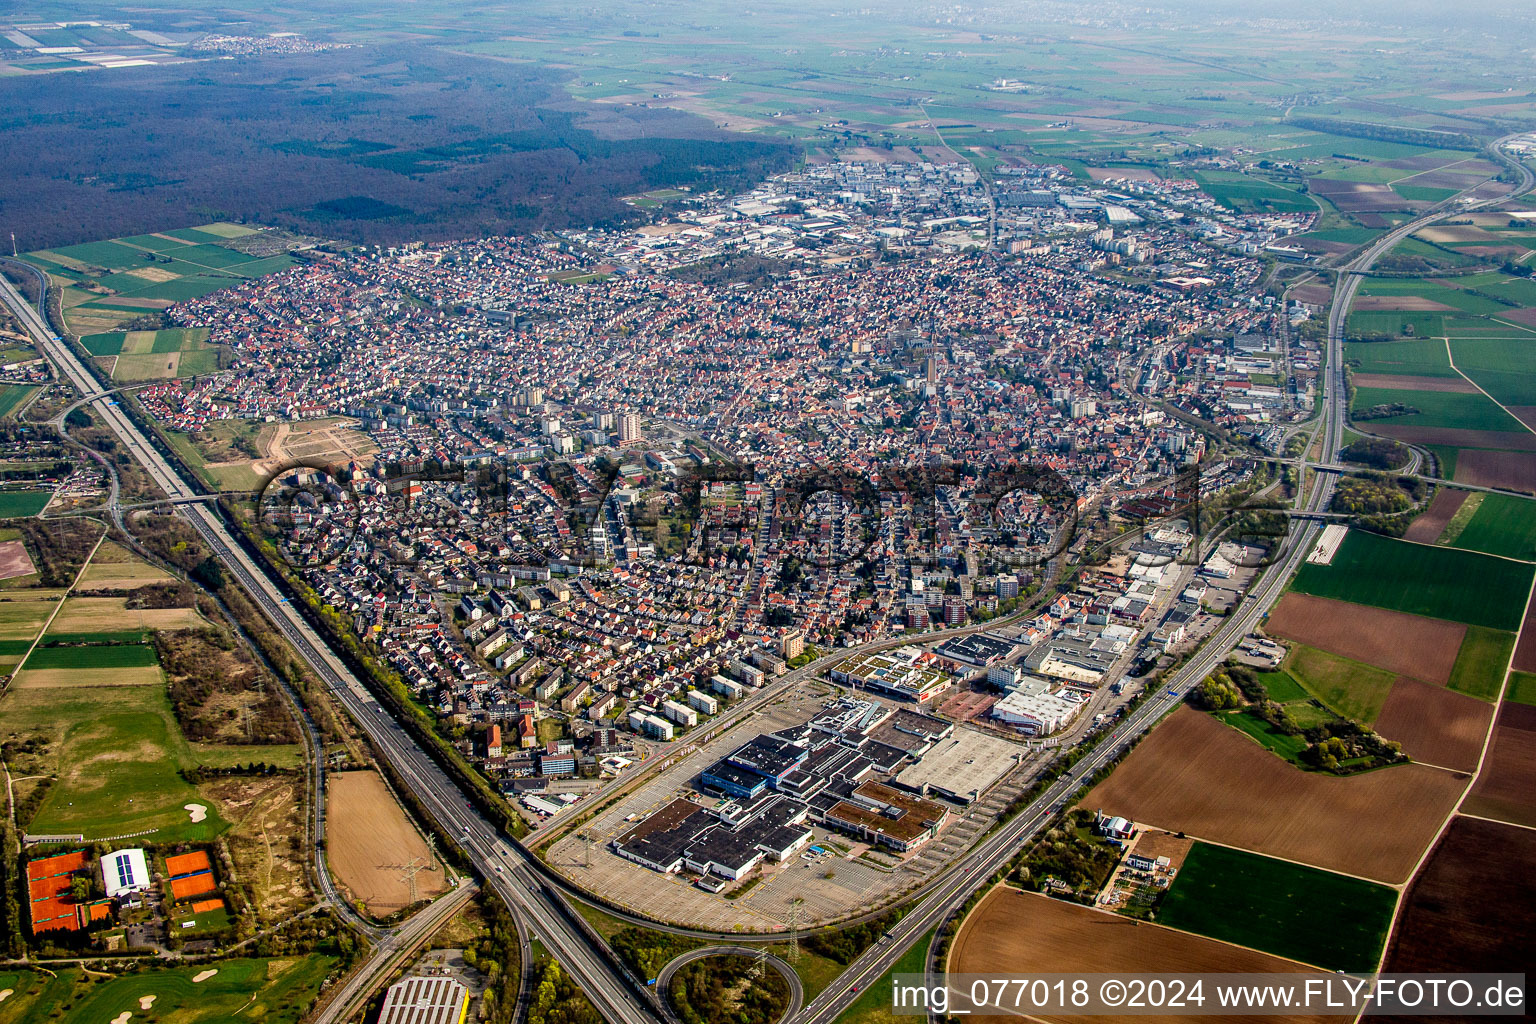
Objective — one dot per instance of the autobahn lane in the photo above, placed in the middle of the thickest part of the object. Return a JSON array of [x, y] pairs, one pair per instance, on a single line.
[[613, 994]]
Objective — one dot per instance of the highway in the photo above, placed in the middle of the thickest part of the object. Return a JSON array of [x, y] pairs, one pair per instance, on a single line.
[[977, 866], [500, 862]]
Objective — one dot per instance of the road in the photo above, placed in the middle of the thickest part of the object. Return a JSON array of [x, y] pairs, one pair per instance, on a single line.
[[976, 867], [503, 864], [770, 962]]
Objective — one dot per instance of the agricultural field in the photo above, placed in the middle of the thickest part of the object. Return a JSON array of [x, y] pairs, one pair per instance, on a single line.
[[1503, 789], [115, 568], [1521, 688], [109, 619], [1430, 524], [272, 991], [1276, 906], [1352, 689], [1009, 927], [1435, 582], [1419, 358], [1435, 725], [1195, 775], [1502, 525], [1400, 643], [1244, 193], [1473, 906], [364, 819], [17, 503], [12, 396], [1481, 662], [155, 355], [109, 283], [1445, 410]]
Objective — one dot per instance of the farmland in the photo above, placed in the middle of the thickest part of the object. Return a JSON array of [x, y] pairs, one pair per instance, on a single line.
[[1440, 583], [1481, 662], [1435, 725], [16, 503], [273, 991], [1503, 789], [1420, 358], [1276, 906], [1436, 409], [1502, 525], [1354, 690], [109, 283], [1009, 928], [1473, 907], [1400, 643], [364, 819], [1195, 775]]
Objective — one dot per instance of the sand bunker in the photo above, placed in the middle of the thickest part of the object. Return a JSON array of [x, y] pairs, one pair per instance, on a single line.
[[198, 811], [203, 976], [6, 993], [145, 1002], [122, 1018]]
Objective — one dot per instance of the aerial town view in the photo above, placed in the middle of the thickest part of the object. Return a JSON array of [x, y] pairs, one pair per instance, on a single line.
[[792, 514]]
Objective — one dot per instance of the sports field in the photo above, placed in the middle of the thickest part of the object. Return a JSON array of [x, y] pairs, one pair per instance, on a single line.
[[1441, 583], [1280, 908], [271, 991]]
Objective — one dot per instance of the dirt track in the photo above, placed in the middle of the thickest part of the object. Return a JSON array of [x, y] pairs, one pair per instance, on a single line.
[[1195, 775], [1403, 644]]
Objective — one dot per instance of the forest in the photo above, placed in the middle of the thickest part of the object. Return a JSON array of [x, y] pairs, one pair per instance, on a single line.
[[370, 144]]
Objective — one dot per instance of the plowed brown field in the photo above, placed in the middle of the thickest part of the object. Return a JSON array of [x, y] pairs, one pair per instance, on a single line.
[[1195, 775], [1506, 788], [369, 842], [1011, 932], [1473, 907], [1435, 725], [1431, 524], [1513, 470], [1408, 645]]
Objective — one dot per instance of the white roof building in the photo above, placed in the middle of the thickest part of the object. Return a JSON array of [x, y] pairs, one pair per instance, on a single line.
[[1045, 712], [124, 871]]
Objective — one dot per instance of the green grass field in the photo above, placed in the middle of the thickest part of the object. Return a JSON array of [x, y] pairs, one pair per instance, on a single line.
[[1351, 688], [1437, 409], [101, 656], [14, 504], [1279, 743], [1422, 358], [1282, 686], [1521, 688], [1282, 908], [1482, 662], [270, 991], [1503, 367], [1502, 525], [11, 397], [1246, 194], [1441, 583]]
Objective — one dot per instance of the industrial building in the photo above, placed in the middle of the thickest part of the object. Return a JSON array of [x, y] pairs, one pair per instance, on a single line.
[[435, 1000], [906, 673]]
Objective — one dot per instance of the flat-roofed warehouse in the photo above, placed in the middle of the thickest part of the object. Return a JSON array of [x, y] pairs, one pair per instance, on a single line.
[[962, 767], [435, 1000]]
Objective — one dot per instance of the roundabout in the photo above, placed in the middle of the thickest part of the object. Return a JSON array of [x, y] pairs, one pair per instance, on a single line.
[[769, 961]]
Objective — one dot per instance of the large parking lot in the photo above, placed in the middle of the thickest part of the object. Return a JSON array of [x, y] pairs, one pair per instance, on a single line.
[[847, 878]]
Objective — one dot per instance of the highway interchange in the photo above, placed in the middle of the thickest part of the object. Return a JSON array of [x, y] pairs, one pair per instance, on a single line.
[[509, 869]]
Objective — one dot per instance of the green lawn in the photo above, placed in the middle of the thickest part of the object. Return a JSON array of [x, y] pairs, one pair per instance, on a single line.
[[1482, 662], [1502, 525], [11, 397], [1285, 746], [269, 991], [1442, 583], [1282, 686], [1317, 917], [1353, 689]]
